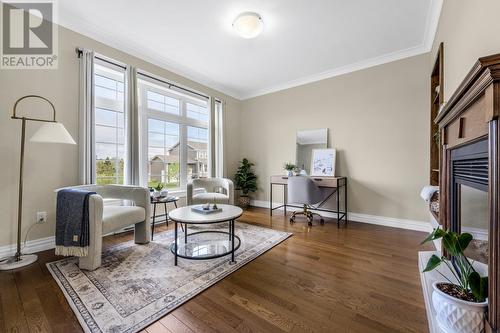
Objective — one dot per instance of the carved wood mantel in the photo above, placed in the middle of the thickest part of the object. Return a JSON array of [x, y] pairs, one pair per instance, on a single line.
[[472, 115]]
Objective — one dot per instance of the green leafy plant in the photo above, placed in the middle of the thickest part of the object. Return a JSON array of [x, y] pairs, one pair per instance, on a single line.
[[288, 166], [245, 178], [469, 281], [159, 187]]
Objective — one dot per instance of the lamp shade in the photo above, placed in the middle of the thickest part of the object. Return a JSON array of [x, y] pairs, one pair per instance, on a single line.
[[53, 132]]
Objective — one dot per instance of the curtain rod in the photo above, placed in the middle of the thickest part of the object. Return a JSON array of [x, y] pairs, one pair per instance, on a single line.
[[103, 58], [170, 84]]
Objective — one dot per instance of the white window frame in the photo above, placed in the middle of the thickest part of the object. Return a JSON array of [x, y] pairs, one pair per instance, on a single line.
[[181, 119], [107, 104]]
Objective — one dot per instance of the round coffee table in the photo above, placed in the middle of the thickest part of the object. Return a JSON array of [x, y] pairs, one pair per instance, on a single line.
[[212, 247]]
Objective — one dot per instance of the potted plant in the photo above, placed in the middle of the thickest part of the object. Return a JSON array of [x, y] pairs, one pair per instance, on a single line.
[[289, 168], [460, 306], [245, 180], [158, 188]]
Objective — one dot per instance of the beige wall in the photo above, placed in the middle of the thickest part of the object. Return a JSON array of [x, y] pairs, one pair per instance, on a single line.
[[52, 166], [378, 120], [469, 30]]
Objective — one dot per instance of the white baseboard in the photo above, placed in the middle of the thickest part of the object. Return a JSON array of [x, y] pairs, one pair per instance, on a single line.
[[48, 243], [32, 246], [364, 218]]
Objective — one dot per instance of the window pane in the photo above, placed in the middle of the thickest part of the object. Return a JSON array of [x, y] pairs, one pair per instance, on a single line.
[[155, 97], [102, 81], [197, 112], [197, 152], [162, 103], [156, 106], [156, 139], [105, 93], [105, 134], [105, 117], [109, 125], [163, 153]]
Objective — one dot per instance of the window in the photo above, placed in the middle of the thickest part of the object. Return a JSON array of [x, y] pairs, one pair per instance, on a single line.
[[176, 135], [109, 118], [163, 153], [197, 145]]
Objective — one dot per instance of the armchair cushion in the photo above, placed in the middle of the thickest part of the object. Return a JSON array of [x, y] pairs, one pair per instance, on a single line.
[[117, 217], [210, 185], [202, 198]]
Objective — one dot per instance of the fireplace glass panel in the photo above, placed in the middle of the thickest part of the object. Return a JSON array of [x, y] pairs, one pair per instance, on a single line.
[[474, 220]]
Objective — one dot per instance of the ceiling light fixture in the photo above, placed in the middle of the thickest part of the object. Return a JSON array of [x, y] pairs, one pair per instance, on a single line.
[[248, 24]]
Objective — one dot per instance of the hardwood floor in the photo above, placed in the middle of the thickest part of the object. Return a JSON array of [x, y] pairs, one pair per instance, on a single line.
[[363, 278]]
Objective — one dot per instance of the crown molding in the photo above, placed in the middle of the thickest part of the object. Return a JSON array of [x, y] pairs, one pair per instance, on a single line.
[[432, 21], [364, 64], [81, 27], [431, 26]]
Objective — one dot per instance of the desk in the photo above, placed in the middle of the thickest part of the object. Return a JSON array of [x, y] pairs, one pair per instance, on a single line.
[[335, 183]]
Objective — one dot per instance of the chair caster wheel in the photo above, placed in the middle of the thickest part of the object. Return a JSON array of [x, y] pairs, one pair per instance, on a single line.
[[291, 220], [309, 224]]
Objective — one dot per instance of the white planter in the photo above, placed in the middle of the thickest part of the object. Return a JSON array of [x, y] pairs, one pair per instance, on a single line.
[[457, 316], [289, 173], [156, 194], [164, 193]]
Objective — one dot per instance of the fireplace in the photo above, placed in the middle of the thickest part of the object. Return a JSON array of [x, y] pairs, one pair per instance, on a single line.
[[469, 196], [469, 170]]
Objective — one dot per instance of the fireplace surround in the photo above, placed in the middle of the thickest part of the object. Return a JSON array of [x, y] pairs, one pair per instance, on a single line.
[[469, 143]]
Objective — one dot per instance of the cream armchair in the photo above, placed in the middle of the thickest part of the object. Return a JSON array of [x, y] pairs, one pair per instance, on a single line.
[[105, 219], [208, 193]]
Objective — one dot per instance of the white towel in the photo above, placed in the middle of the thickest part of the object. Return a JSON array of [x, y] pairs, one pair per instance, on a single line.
[[428, 191]]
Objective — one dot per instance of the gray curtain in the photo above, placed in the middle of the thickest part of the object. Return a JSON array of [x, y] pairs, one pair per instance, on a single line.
[[132, 110], [86, 142]]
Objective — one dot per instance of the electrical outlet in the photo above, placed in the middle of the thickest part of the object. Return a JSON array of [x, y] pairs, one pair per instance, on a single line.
[[41, 217]]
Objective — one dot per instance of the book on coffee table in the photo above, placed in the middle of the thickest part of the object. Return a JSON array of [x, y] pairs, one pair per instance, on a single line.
[[199, 209]]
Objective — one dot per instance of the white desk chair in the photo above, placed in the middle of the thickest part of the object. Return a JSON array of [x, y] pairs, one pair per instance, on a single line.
[[302, 190]]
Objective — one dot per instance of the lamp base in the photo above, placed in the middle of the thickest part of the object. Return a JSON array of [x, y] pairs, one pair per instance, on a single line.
[[11, 263]]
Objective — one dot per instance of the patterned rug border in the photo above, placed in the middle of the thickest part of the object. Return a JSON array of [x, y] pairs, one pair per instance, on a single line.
[[74, 299]]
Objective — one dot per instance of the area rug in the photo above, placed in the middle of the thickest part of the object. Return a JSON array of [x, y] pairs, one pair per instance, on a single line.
[[138, 284]]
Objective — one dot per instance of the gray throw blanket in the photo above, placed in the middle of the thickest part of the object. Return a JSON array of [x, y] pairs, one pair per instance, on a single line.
[[72, 222]]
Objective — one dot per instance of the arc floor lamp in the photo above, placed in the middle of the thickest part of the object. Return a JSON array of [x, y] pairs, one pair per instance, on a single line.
[[50, 132]]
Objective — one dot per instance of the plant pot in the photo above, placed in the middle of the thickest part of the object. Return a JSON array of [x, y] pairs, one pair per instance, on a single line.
[[244, 201], [156, 194], [289, 173], [164, 193], [457, 316]]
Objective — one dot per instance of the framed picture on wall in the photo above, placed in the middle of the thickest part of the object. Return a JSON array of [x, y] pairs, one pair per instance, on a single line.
[[323, 162]]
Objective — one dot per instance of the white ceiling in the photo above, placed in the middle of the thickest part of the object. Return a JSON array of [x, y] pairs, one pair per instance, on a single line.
[[302, 41]]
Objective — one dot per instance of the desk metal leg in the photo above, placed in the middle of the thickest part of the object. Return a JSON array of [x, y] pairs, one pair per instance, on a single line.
[[338, 205], [154, 218], [345, 200], [185, 233], [175, 244], [271, 200], [285, 196]]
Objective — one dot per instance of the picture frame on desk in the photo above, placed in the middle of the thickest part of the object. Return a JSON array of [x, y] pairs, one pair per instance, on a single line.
[[323, 162]]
